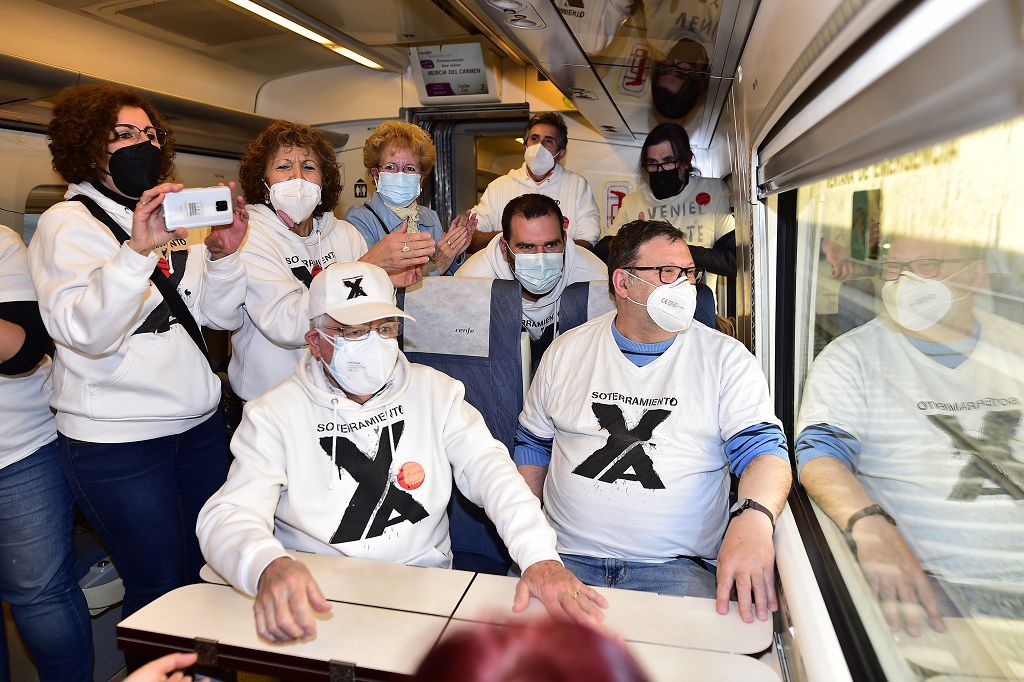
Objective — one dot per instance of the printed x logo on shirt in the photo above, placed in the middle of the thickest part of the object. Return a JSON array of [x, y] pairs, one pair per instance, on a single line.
[[376, 498], [993, 458], [624, 450]]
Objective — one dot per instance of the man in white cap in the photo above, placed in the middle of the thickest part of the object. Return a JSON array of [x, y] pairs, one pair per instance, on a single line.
[[354, 455], [532, 249]]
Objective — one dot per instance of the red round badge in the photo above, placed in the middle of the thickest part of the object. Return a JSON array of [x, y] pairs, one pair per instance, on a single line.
[[410, 476], [703, 199]]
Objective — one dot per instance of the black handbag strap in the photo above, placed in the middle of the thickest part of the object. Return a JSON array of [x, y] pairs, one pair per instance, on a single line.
[[379, 219], [164, 286]]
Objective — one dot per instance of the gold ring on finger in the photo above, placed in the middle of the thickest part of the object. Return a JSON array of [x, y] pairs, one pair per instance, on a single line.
[[576, 594], [405, 248], [449, 242]]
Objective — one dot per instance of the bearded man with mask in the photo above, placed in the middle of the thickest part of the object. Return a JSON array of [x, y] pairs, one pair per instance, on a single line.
[[545, 142], [670, 190], [354, 455], [632, 426], [532, 249], [141, 440], [911, 440]]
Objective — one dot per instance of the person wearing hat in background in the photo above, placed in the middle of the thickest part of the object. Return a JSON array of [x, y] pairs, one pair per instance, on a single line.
[[354, 455]]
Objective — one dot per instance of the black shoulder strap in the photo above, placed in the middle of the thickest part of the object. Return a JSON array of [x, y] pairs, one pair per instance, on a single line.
[[379, 219], [164, 286]]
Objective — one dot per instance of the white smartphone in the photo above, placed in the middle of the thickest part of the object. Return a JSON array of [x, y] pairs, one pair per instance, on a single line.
[[198, 207]]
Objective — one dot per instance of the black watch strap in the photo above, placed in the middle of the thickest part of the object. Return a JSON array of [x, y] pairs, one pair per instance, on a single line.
[[870, 510], [747, 503]]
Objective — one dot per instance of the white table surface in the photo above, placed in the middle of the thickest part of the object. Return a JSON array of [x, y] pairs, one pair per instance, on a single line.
[[374, 638], [377, 583], [643, 617]]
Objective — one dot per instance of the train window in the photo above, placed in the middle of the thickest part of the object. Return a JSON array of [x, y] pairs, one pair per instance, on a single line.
[[39, 199], [910, 376]]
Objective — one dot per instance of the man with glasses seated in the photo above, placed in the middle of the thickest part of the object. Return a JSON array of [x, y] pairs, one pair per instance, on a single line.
[[911, 441], [532, 248], [632, 427], [354, 455]]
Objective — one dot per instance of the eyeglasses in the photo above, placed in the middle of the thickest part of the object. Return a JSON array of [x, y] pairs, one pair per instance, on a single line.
[[653, 166], [925, 267], [670, 273], [395, 168], [358, 332], [126, 132]]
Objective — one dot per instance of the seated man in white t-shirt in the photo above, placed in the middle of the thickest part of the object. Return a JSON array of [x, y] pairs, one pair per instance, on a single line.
[[354, 455], [912, 440], [532, 248], [544, 141], [632, 426]]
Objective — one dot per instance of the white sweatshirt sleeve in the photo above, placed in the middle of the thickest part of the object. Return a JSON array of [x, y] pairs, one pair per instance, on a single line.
[[485, 474], [219, 303], [277, 302], [492, 203], [587, 219], [91, 292], [236, 525]]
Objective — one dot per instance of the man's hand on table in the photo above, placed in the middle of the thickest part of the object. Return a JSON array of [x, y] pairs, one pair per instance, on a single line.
[[747, 560], [286, 597], [561, 592]]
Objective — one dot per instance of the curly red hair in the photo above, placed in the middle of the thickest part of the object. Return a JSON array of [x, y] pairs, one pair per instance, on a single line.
[[253, 169], [540, 651], [399, 135], [83, 119]]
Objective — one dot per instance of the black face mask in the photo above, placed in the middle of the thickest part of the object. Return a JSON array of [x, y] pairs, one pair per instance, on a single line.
[[665, 183], [136, 168]]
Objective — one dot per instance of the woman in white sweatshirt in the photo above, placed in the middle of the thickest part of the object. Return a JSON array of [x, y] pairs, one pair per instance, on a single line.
[[141, 439], [291, 181]]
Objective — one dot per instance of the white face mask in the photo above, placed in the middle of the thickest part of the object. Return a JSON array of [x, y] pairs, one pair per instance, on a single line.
[[296, 197], [398, 189], [917, 303], [362, 367], [671, 306], [539, 159], [539, 272]]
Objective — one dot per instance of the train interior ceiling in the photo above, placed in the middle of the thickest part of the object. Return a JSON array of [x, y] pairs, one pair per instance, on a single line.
[[807, 108]]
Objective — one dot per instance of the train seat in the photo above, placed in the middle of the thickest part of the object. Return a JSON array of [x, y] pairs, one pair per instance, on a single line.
[[470, 329]]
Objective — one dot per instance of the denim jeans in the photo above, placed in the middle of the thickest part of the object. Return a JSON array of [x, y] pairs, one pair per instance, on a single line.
[[37, 568], [144, 497], [679, 577]]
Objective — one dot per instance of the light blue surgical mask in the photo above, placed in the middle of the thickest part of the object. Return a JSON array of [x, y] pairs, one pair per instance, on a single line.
[[539, 272], [398, 189]]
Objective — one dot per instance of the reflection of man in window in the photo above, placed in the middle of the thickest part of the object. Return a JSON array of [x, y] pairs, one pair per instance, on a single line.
[[680, 79], [911, 439]]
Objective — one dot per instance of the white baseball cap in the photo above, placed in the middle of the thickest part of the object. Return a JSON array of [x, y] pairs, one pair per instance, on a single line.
[[353, 293]]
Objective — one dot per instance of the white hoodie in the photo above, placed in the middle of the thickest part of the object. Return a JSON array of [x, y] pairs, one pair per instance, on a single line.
[[571, 191], [580, 266], [24, 398], [317, 472], [267, 348], [110, 384]]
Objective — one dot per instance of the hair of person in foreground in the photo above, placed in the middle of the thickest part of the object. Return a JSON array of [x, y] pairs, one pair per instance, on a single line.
[[538, 651]]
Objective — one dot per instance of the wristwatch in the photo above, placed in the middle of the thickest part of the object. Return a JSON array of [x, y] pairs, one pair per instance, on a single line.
[[746, 503], [870, 510]]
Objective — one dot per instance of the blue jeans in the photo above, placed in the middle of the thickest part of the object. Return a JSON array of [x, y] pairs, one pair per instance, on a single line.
[[37, 568], [144, 497], [679, 577]]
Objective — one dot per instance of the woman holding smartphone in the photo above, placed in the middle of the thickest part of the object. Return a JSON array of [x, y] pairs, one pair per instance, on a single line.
[[141, 440]]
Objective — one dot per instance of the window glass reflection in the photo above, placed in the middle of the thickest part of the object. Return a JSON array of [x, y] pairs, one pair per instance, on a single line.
[[911, 418]]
